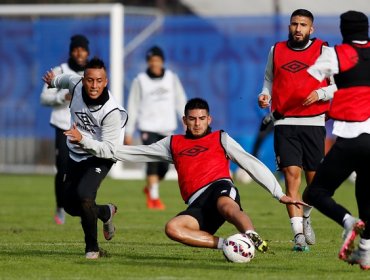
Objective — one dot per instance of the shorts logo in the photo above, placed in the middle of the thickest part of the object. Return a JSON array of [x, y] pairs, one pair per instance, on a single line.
[[87, 123], [224, 191], [193, 151], [294, 66], [97, 170]]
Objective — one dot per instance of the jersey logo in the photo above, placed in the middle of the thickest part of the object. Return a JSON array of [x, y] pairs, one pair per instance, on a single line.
[[193, 151], [160, 93], [294, 66], [87, 123]]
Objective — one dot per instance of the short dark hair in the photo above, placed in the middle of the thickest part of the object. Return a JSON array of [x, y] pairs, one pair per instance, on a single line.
[[96, 63], [302, 13], [196, 103]]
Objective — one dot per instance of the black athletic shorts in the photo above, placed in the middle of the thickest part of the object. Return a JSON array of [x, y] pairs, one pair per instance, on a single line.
[[154, 168], [299, 145], [204, 208]]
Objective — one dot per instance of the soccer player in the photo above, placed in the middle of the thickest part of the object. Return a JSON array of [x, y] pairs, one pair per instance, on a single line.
[[350, 64], [299, 116], [60, 117], [156, 98], [201, 158], [100, 121]]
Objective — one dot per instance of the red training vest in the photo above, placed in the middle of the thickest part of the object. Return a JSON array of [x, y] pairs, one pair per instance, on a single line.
[[352, 100], [199, 162], [289, 89]]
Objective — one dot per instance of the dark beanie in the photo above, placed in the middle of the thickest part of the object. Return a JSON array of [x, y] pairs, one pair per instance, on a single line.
[[354, 26], [79, 41], [154, 51]]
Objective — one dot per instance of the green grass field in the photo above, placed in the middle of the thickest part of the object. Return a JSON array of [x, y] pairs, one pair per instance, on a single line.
[[32, 246]]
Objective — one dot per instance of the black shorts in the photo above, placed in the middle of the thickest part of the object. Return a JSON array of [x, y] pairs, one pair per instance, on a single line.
[[84, 178], [204, 208], [154, 168], [299, 145]]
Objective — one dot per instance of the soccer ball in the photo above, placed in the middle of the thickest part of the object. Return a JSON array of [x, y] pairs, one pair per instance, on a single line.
[[238, 248]]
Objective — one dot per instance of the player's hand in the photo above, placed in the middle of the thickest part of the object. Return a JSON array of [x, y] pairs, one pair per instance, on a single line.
[[73, 134], [288, 200], [48, 77], [263, 101], [312, 98], [68, 97]]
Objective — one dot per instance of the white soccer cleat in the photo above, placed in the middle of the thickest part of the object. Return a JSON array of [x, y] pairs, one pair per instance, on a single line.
[[308, 232], [361, 257], [349, 236], [108, 227], [300, 244], [59, 216], [92, 255]]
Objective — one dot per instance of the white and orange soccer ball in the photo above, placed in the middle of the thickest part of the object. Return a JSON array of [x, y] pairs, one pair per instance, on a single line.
[[238, 248]]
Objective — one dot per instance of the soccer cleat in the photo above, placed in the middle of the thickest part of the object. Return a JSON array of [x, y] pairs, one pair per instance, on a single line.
[[149, 201], [300, 244], [349, 236], [108, 227], [361, 257], [92, 255], [308, 232], [155, 204], [260, 244], [59, 216]]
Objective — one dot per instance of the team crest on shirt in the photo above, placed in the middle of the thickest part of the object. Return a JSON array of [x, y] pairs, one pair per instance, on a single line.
[[193, 151], [294, 66], [87, 123]]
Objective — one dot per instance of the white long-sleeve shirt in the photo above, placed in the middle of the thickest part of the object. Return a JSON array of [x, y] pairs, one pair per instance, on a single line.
[[161, 151], [325, 66], [56, 98], [325, 94], [155, 103]]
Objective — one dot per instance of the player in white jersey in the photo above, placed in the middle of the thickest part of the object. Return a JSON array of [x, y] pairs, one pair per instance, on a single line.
[[60, 117], [101, 121], [156, 97]]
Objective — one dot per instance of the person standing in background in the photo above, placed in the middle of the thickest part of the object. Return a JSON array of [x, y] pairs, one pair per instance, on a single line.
[[156, 97], [298, 115], [60, 118]]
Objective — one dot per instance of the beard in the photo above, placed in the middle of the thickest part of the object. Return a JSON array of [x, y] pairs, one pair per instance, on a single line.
[[298, 44]]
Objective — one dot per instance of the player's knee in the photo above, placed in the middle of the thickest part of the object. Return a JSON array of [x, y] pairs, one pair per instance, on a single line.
[[173, 231]]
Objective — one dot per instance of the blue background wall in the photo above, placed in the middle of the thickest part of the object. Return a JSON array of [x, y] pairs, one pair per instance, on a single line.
[[219, 59]]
